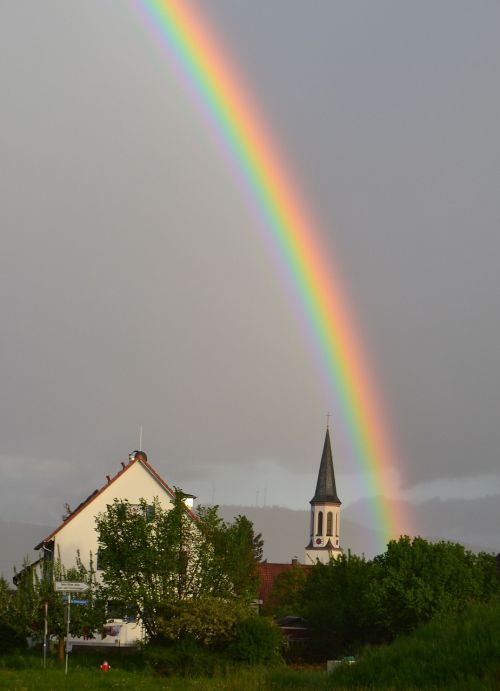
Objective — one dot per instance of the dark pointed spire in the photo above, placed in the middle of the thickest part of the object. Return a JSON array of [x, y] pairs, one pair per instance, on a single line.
[[325, 487]]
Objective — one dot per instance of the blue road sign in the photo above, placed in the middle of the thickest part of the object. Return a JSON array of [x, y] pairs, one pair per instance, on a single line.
[[74, 601]]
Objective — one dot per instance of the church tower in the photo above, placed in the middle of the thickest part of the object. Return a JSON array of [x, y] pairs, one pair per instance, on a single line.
[[324, 541]]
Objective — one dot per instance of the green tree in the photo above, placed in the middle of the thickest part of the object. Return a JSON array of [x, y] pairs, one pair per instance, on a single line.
[[10, 636], [286, 596], [335, 601], [417, 579], [237, 550], [35, 594], [153, 556]]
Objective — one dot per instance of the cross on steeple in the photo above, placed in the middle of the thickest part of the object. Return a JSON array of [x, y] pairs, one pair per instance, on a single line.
[[328, 420]]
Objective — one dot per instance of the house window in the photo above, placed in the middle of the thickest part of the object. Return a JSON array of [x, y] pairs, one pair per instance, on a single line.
[[329, 523], [119, 610], [141, 510], [337, 524], [98, 565], [320, 523]]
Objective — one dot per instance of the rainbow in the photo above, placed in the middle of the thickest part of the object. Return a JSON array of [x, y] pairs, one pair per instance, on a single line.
[[197, 56]]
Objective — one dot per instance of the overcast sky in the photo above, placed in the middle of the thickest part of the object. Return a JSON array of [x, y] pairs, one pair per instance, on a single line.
[[134, 285]]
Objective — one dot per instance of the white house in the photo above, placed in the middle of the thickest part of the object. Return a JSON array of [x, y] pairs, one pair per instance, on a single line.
[[136, 480]]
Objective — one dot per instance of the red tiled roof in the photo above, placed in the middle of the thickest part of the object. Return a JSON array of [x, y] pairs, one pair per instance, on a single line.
[[268, 573], [95, 494]]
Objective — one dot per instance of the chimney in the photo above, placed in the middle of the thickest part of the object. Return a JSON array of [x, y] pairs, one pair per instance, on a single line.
[[295, 561], [108, 478]]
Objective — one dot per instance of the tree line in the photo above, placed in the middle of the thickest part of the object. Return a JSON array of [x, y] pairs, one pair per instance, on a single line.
[[191, 581], [352, 601]]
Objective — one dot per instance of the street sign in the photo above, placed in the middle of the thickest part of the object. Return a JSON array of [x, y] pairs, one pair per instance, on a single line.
[[74, 601], [70, 587]]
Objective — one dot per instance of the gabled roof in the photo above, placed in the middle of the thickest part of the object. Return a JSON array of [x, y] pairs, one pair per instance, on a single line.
[[326, 490], [97, 492]]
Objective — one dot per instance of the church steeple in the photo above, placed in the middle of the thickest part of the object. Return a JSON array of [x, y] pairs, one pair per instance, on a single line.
[[326, 490], [324, 542]]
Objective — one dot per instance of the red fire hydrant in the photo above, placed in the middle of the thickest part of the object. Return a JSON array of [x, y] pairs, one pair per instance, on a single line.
[[105, 666]]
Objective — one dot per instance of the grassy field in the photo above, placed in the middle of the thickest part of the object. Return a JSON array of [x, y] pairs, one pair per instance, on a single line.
[[85, 678], [25, 674], [459, 653]]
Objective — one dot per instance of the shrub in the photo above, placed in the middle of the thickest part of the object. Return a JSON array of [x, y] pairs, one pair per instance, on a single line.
[[258, 640], [209, 621], [10, 639], [185, 658], [453, 651]]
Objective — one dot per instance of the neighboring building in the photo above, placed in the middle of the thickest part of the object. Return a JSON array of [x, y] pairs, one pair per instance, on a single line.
[[268, 573], [136, 480], [324, 543]]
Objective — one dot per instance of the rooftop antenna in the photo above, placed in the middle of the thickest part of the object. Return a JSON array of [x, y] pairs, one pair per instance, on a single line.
[[140, 438]]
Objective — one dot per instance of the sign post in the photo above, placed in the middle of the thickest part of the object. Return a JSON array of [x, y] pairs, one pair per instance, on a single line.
[[67, 630], [45, 632], [69, 587]]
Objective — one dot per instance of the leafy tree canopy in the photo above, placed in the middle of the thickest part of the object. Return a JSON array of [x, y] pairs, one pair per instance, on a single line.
[[153, 556], [36, 596], [415, 579], [351, 601]]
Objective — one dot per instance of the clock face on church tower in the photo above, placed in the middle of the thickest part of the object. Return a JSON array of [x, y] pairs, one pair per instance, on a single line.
[[318, 540]]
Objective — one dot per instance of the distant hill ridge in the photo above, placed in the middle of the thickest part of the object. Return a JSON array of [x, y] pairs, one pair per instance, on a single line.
[[473, 523], [286, 531]]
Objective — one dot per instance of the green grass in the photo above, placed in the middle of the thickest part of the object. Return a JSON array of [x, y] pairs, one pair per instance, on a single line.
[[459, 653], [84, 675], [25, 673]]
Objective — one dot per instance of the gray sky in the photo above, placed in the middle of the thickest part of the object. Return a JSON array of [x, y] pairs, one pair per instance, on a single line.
[[135, 288]]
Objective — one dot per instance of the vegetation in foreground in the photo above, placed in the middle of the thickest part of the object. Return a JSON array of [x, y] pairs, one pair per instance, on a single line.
[[191, 584], [352, 602], [188, 578], [459, 651]]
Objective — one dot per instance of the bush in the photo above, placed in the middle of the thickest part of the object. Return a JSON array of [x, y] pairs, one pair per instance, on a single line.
[[258, 640], [453, 651], [209, 621], [10, 639], [185, 658]]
